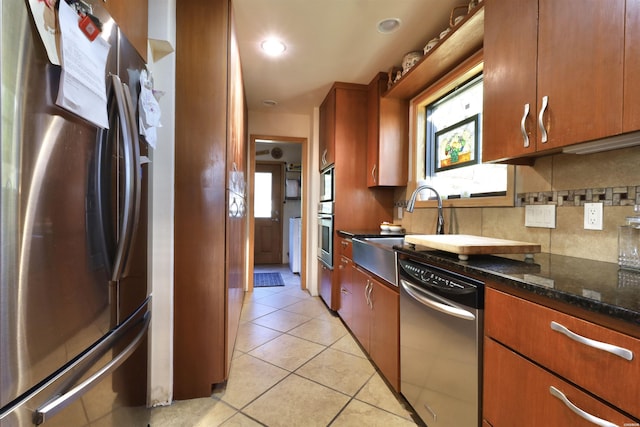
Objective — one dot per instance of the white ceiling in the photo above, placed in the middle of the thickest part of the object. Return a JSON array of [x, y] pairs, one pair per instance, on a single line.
[[327, 41]]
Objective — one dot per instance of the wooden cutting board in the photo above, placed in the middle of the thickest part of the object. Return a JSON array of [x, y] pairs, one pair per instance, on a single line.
[[464, 244]]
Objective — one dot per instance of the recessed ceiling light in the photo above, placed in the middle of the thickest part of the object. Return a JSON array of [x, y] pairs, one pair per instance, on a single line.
[[269, 103], [388, 25], [273, 47]]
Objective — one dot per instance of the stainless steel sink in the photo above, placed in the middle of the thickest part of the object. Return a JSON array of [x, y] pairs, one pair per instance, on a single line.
[[376, 254]]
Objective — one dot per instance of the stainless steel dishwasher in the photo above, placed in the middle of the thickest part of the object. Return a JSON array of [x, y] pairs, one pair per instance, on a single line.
[[441, 328]]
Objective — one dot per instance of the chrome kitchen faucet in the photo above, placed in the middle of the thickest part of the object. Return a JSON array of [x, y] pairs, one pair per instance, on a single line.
[[412, 202]]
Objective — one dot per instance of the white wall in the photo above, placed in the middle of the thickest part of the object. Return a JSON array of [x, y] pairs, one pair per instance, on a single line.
[[161, 205]]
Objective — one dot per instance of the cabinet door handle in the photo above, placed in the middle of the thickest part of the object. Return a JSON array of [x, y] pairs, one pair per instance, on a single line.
[[369, 295], [543, 130], [373, 174], [581, 413], [609, 348], [366, 295], [523, 127], [324, 157]]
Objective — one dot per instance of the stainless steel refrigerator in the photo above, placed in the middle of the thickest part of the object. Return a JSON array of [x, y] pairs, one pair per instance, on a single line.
[[74, 303]]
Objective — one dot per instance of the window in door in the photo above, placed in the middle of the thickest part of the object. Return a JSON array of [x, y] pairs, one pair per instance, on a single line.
[[263, 197]]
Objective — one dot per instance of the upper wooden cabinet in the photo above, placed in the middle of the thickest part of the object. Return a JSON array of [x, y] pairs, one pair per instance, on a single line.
[[132, 17], [387, 136], [327, 131], [631, 118], [553, 74]]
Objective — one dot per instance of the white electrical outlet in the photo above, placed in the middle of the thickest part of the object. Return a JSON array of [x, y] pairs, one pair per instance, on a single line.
[[593, 216]]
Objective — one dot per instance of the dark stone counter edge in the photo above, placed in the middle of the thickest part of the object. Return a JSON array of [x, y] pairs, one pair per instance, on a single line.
[[369, 233], [612, 311]]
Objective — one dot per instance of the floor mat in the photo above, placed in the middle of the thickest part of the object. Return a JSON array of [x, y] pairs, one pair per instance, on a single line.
[[263, 280]]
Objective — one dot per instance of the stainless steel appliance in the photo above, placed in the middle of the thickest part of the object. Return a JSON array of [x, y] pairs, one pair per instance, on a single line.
[[74, 305], [441, 323], [325, 233], [327, 184]]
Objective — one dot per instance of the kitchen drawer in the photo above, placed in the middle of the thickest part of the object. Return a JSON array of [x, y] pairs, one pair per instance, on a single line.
[[517, 392], [526, 327], [346, 248]]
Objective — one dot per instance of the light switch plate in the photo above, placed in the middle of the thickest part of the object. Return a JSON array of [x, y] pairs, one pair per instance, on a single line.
[[593, 216], [543, 216]]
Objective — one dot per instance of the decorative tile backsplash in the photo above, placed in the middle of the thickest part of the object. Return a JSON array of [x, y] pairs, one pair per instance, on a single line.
[[610, 196]]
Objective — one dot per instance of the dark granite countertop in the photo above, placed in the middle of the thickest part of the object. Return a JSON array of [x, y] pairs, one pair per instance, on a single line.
[[598, 287], [349, 234]]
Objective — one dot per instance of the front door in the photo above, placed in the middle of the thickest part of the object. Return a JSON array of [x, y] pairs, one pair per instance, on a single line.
[[268, 212]]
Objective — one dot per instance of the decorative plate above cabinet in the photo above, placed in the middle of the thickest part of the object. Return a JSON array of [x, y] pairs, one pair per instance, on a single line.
[[463, 40]]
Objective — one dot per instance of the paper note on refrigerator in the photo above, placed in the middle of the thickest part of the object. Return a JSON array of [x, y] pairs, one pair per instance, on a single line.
[[82, 82], [44, 16]]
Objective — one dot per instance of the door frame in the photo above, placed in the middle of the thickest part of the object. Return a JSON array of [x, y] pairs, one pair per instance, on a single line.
[[303, 199]]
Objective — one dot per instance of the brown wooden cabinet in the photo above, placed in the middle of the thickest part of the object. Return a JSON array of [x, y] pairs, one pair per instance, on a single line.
[[325, 282], [384, 346], [327, 131], [361, 324], [536, 72], [631, 109], [375, 322], [518, 392], [132, 17], [345, 279], [387, 136], [343, 122], [530, 348], [210, 218]]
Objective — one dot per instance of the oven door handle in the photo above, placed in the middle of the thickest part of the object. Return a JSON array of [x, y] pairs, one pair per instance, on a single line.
[[428, 299]]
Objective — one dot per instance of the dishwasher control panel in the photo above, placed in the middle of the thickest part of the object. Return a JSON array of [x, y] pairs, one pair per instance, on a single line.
[[436, 277]]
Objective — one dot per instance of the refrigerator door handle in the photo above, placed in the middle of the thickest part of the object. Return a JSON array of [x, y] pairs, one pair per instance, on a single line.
[[59, 402], [136, 169], [131, 181]]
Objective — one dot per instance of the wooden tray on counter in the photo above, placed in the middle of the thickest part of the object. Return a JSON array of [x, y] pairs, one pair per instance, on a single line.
[[465, 245]]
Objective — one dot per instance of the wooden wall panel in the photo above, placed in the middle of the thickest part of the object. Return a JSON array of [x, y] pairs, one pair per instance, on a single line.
[[200, 198]]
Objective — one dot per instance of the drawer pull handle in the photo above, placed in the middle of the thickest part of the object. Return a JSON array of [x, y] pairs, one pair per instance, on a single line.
[[613, 349], [583, 414]]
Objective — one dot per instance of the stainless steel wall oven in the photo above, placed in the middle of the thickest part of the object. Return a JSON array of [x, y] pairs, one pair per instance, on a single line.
[[327, 185], [325, 233]]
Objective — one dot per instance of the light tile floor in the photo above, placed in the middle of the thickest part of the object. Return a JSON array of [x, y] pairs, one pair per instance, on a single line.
[[295, 364]]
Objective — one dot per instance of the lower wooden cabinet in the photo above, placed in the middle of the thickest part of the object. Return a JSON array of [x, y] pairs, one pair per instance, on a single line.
[[384, 342], [545, 367], [375, 322], [345, 280], [325, 277], [361, 322], [520, 393]]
